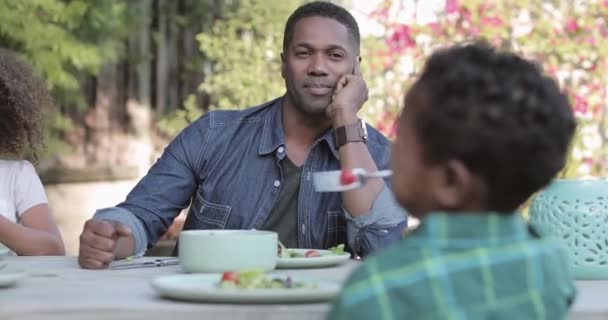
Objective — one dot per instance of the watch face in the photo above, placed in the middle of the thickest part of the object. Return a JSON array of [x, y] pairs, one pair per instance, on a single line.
[[364, 127]]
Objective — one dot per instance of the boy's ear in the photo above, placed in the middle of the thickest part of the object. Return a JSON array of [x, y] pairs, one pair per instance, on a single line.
[[283, 65], [456, 187]]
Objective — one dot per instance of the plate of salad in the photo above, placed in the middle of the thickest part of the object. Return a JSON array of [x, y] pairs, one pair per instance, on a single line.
[[311, 258], [251, 286]]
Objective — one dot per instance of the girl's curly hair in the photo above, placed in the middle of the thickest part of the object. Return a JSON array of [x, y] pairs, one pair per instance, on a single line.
[[23, 98]]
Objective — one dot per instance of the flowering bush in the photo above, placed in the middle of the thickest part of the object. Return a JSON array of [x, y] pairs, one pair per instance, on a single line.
[[569, 39]]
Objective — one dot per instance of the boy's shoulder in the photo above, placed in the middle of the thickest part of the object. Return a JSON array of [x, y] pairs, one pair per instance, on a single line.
[[399, 261], [412, 277]]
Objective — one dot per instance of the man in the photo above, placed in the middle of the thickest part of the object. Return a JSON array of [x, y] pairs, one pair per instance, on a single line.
[[253, 168]]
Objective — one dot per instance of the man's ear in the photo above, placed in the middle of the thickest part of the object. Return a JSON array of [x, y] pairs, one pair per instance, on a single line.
[[456, 187], [283, 65]]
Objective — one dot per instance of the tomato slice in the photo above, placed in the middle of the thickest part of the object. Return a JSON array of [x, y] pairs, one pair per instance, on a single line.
[[347, 177], [230, 276], [312, 253]]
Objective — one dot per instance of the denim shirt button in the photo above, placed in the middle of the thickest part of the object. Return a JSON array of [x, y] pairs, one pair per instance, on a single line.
[[277, 183], [281, 149]]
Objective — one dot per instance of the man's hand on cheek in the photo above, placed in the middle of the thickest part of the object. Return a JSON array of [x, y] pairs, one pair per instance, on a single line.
[[349, 96]]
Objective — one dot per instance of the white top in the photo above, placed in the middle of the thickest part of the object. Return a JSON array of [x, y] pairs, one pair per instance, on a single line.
[[20, 189]]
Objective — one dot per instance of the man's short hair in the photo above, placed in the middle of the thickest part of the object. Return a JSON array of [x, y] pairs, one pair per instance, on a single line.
[[322, 9]]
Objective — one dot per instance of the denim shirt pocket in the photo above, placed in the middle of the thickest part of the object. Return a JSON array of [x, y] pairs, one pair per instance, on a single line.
[[209, 215], [336, 228]]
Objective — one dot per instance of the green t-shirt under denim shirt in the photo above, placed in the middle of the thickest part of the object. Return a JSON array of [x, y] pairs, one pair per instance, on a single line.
[[462, 266], [283, 218]]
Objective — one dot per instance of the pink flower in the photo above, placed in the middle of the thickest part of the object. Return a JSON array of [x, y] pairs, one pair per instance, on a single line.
[[466, 15], [588, 161], [474, 31], [436, 27], [581, 107], [494, 21], [380, 13], [452, 6], [401, 39], [571, 26], [605, 3], [381, 127]]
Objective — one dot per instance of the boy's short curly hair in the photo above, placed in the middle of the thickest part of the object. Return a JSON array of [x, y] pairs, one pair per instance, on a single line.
[[23, 97], [498, 114]]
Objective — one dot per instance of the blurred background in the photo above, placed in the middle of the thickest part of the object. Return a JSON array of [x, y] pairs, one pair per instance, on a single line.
[[128, 75]]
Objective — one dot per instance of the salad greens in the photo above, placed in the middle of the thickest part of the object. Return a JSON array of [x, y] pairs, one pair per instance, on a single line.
[[256, 279], [339, 249], [283, 252]]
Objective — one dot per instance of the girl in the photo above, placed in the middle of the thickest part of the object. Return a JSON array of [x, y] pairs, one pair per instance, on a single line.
[[26, 223]]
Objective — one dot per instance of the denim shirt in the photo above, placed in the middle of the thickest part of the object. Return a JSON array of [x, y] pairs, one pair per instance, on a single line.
[[226, 167]]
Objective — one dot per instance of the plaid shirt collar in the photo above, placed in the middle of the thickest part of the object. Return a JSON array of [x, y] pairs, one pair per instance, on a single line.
[[469, 230]]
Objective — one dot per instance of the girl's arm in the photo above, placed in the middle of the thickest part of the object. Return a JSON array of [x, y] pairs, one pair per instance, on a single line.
[[36, 235]]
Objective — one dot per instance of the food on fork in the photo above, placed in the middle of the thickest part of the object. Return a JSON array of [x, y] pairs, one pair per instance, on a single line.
[[347, 177]]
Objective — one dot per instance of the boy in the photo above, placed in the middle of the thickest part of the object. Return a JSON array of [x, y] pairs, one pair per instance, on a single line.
[[480, 132]]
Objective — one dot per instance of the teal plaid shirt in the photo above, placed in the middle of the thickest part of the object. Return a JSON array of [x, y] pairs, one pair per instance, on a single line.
[[462, 266]]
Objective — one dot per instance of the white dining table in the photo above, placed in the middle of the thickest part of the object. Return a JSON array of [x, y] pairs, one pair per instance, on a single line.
[[56, 288]]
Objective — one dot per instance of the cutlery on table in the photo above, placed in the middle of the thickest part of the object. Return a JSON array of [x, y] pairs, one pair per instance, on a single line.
[[134, 264]]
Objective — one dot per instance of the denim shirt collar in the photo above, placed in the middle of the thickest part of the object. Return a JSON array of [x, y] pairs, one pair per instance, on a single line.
[[273, 135]]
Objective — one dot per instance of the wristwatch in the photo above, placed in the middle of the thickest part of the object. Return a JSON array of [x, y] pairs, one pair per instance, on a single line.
[[356, 132]]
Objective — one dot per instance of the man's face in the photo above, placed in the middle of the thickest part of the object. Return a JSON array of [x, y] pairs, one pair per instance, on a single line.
[[320, 52], [412, 176]]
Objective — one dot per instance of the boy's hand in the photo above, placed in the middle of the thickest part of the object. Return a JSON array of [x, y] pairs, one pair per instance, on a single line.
[[98, 243], [350, 95]]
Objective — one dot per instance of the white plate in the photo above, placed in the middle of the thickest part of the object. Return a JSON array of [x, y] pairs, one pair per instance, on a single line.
[[327, 259], [3, 250], [202, 288], [9, 276]]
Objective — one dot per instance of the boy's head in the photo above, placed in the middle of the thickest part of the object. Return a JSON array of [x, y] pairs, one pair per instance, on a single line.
[[23, 96], [480, 130]]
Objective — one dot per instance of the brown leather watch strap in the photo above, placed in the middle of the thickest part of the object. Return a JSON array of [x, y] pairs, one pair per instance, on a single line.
[[356, 132]]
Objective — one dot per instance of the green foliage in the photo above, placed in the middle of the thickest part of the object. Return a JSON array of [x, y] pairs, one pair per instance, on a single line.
[[64, 40], [61, 38], [244, 48], [243, 66]]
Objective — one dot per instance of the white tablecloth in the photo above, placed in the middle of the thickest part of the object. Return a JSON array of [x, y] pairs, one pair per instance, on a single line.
[[56, 288]]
